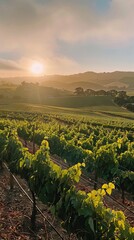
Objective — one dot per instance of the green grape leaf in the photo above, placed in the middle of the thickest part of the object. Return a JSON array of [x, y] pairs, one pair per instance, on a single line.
[[91, 224]]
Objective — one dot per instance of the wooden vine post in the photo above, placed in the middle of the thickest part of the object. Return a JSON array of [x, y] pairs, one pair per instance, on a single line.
[[34, 212], [11, 181]]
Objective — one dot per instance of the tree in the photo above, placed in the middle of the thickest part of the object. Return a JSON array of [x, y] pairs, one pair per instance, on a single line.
[[89, 92], [101, 92], [79, 91], [122, 94], [112, 93]]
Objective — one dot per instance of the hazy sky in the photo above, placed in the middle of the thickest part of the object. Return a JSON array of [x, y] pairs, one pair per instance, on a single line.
[[67, 36]]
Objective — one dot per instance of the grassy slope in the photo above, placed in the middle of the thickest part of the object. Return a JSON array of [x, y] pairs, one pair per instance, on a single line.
[[76, 102], [69, 102], [93, 106]]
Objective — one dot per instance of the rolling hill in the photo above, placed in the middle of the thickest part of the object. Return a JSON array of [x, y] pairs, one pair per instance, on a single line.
[[117, 80], [96, 81]]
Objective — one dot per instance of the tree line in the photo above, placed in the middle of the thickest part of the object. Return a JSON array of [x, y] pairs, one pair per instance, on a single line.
[[79, 91], [120, 97]]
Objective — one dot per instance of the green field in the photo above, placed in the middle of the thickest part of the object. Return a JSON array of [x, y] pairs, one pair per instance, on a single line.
[[93, 107], [69, 102], [76, 102]]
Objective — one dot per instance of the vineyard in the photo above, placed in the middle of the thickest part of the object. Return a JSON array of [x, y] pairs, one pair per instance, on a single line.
[[77, 166]]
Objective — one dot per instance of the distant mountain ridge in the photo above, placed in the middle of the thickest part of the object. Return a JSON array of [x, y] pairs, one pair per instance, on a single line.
[[106, 80]]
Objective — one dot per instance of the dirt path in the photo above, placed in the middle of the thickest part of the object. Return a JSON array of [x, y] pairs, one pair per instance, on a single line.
[[15, 213]]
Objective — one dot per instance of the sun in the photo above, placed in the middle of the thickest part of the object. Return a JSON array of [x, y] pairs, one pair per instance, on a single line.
[[37, 68]]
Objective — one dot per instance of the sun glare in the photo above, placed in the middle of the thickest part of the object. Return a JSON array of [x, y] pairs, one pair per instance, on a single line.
[[37, 68]]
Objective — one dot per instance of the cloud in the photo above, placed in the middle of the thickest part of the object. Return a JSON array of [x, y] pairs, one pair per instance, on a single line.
[[35, 27], [9, 65], [52, 65], [62, 65]]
